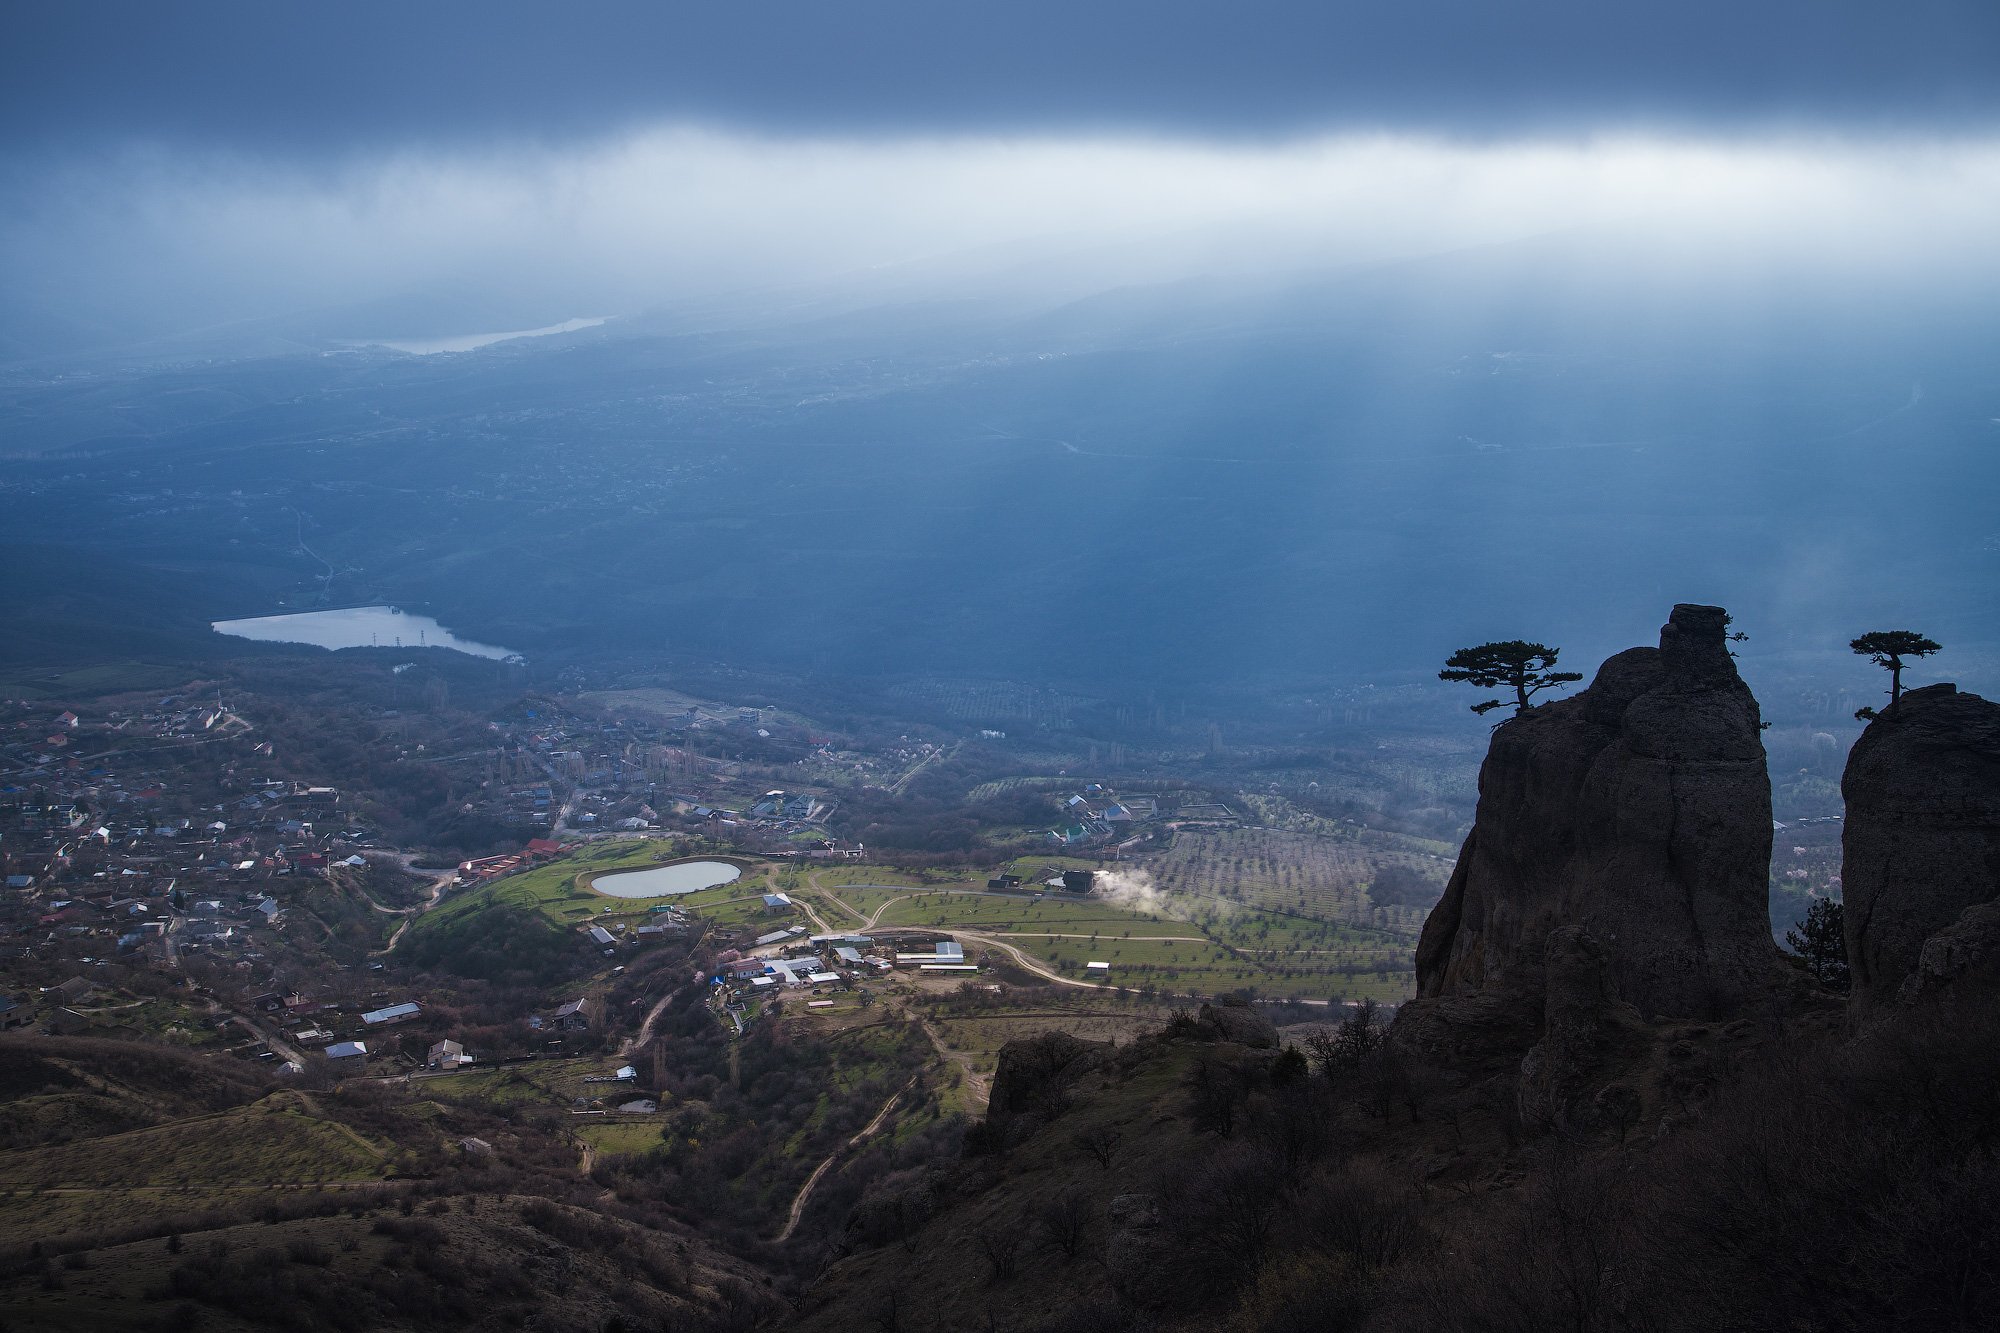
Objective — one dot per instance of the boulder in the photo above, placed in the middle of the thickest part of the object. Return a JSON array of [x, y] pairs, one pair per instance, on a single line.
[[1638, 811], [1033, 1075], [1233, 1019], [1963, 959], [1138, 1257], [1921, 842], [1583, 1021]]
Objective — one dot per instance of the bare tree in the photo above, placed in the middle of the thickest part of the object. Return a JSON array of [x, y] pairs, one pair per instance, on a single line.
[[1065, 1221], [1216, 1089], [1358, 1036], [1001, 1244], [1099, 1143]]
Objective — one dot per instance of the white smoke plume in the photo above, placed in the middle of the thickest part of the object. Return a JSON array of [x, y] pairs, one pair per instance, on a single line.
[[1132, 890]]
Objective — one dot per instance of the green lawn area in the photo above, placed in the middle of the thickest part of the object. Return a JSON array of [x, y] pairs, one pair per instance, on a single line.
[[1210, 969], [978, 911], [557, 891], [158, 1019], [271, 1143], [848, 872], [622, 1137], [1275, 953], [1032, 869], [530, 1080], [552, 889], [109, 678], [737, 903]]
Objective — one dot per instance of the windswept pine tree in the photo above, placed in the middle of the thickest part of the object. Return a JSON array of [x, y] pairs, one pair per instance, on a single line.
[[1888, 649], [1513, 664]]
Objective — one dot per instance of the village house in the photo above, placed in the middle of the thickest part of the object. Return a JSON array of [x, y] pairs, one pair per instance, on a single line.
[[447, 1054]]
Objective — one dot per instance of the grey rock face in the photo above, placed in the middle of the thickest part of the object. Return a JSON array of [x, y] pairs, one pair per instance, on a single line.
[[1921, 842], [1137, 1256], [1234, 1020], [1962, 958], [1032, 1075], [1581, 1020], [1639, 811]]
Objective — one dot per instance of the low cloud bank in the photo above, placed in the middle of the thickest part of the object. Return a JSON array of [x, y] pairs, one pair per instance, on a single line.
[[175, 238]]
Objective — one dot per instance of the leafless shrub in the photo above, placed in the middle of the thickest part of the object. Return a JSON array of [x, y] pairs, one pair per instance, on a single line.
[[1001, 1244], [1065, 1220], [1099, 1143]]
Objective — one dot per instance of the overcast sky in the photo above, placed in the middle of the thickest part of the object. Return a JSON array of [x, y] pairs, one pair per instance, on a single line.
[[333, 76], [210, 160]]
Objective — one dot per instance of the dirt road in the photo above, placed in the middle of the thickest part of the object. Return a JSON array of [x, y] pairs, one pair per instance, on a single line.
[[867, 1132]]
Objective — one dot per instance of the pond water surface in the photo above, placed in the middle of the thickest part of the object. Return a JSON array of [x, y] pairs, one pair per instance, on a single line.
[[667, 881]]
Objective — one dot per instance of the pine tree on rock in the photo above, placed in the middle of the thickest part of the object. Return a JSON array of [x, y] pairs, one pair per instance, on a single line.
[[1887, 648], [1512, 664]]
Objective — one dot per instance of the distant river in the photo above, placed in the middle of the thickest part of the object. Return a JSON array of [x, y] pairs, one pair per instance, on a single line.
[[467, 342], [357, 627], [666, 881]]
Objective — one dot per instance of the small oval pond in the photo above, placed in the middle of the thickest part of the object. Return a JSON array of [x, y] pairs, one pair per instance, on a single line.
[[666, 881]]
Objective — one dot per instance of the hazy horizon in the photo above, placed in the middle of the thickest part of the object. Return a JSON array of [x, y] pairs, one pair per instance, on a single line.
[[1302, 340]]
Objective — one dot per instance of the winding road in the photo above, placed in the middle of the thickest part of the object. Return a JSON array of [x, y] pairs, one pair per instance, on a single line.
[[867, 1132], [440, 881]]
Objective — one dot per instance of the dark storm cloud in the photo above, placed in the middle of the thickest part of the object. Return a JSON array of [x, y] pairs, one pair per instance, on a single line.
[[365, 75]]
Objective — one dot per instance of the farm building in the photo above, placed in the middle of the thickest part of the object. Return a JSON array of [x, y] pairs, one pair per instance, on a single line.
[[943, 952], [395, 1013]]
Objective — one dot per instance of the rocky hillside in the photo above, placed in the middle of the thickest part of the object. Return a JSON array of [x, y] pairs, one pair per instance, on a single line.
[[144, 1189], [1613, 1109]]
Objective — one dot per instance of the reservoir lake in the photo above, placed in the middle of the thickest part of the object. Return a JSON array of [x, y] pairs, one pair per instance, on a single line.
[[357, 627], [470, 342]]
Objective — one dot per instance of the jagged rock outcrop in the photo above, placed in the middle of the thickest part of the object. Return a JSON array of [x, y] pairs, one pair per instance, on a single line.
[[1639, 812], [1583, 1023], [1921, 843], [1232, 1019], [1033, 1075], [1138, 1255], [1963, 959]]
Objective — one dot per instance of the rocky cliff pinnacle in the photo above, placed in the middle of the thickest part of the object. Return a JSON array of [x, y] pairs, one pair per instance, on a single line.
[[1638, 811], [1921, 843]]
